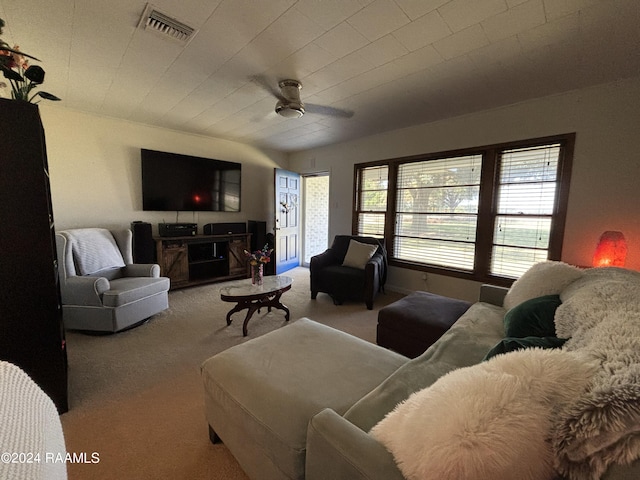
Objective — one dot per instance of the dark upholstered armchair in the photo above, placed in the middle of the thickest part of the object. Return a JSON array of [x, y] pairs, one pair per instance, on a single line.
[[341, 282]]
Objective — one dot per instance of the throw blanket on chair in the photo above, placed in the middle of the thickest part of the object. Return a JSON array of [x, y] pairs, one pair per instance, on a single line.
[[600, 315], [94, 249]]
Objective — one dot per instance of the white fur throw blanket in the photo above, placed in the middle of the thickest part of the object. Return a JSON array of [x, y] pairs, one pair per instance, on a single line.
[[489, 421], [600, 314]]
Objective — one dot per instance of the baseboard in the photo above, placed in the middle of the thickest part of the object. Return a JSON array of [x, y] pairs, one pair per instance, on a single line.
[[395, 288]]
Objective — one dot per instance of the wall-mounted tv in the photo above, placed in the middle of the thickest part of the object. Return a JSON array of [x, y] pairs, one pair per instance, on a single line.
[[174, 182]]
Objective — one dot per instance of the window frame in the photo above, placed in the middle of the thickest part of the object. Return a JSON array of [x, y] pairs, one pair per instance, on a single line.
[[487, 209], [359, 190]]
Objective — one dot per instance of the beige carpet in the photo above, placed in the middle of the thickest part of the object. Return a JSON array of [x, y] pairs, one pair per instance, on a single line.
[[136, 397]]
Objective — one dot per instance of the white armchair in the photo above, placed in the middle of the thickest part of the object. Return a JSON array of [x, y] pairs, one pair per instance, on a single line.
[[102, 289]]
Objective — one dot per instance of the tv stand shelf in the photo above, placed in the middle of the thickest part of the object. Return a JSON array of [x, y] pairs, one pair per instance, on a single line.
[[200, 259]]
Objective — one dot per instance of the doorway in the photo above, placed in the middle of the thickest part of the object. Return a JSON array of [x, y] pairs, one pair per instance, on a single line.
[[316, 215], [287, 225]]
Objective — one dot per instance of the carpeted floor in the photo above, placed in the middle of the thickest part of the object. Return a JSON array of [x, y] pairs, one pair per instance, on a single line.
[[136, 397]]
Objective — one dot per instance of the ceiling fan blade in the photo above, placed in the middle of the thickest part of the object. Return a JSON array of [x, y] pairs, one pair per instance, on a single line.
[[330, 111], [267, 85]]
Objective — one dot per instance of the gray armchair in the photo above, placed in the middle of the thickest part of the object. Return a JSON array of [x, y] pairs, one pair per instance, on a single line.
[[102, 289]]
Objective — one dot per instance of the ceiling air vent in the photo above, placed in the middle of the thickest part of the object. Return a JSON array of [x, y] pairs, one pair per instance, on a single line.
[[166, 26]]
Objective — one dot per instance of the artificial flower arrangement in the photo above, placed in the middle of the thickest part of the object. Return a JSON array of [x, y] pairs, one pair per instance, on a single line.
[[257, 261], [259, 256], [23, 77]]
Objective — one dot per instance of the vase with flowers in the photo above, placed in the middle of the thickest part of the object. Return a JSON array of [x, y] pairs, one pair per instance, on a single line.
[[257, 260], [22, 77]]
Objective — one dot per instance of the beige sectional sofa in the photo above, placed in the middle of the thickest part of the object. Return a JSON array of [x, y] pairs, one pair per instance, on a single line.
[[301, 402]]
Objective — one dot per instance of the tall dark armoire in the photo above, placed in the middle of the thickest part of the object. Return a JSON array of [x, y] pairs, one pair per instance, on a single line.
[[31, 329]]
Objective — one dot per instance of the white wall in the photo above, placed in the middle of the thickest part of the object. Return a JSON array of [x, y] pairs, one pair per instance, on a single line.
[[605, 184], [95, 169]]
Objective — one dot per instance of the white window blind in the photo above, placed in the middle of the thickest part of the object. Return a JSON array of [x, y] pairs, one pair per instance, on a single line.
[[526, 194], [436, 211], [372, 200]]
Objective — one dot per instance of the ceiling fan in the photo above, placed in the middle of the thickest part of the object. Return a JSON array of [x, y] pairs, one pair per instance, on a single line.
[[289, 104]]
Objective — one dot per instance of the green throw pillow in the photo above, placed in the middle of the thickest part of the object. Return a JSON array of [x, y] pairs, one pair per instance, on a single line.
[[512, 344], [533, 318]]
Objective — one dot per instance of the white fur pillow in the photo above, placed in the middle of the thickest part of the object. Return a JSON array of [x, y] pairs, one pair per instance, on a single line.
[[489, 421], [544, 278]]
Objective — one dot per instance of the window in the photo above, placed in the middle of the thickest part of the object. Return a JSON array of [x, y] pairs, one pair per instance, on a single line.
[[437, 210], [371, 194], [486, 213], [526, 198]]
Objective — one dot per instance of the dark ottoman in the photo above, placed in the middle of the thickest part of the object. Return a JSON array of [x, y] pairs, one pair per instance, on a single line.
[[410, 325]]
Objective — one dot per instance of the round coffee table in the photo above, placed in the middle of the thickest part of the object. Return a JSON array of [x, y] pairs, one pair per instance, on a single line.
[[254, 297]]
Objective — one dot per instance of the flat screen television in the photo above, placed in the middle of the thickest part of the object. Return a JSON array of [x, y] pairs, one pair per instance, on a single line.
[[174, 182]]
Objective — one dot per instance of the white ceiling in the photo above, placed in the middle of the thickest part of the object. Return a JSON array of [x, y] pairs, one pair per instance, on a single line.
[[394, 63]]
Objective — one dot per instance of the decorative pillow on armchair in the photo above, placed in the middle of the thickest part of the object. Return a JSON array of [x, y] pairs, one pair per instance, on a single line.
[[490, 421], [358, 254]]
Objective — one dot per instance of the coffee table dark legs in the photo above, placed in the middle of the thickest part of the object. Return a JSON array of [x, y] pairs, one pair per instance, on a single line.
[[255, 305]]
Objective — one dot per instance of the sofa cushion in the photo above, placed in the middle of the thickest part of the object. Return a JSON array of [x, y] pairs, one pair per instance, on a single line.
[[501, 409], [131, 289], [532, 318], [344, 282], [544, 278], [358, 254], [465, 343], [265, 391]]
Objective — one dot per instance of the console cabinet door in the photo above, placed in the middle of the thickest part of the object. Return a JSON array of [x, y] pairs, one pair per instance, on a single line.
[[238, 263], [174, 263]]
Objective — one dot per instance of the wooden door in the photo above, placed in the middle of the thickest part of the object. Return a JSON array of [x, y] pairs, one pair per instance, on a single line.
[[173, 260], [287, 208], [238, 264]]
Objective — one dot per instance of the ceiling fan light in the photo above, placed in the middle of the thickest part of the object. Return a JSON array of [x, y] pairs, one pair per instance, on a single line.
[[290, 109]]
